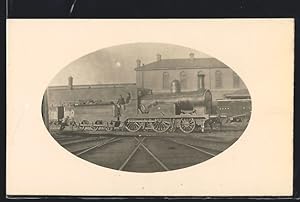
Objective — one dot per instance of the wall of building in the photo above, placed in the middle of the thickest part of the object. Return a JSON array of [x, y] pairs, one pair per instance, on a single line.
[[66, 96], [154, 80], [227, 79], [53, 112]]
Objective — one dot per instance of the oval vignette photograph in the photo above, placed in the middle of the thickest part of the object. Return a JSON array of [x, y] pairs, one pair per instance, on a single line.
[[146, 107]]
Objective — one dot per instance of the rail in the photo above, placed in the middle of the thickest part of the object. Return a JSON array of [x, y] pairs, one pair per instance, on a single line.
[[101, 144]]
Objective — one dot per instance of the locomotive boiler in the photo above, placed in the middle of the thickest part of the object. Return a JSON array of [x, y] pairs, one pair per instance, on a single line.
[[177, 103]]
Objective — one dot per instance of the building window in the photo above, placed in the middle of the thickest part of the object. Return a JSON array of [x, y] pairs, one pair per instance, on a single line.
[[166, 82], [200, 80], [183, 80], [236, 80], [219, 81]]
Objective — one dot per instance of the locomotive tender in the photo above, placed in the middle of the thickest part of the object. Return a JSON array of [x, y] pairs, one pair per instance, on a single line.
[[236, 107], [145, 110]]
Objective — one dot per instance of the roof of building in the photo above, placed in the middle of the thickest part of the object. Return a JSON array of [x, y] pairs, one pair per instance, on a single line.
[[112, 85], [171, 64]]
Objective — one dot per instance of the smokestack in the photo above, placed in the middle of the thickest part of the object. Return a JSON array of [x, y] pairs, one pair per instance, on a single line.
[[192, 55], [158, 57], [70, 83], [138, 62]]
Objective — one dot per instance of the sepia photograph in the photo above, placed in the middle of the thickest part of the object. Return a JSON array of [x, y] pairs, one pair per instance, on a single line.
[[146, 107], [150, 107]]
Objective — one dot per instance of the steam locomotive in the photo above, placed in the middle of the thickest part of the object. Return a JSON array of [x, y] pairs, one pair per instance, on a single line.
[[145, 110], [161, 112]]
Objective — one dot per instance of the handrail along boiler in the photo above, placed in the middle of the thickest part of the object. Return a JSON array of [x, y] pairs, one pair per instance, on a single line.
[[145, 110]]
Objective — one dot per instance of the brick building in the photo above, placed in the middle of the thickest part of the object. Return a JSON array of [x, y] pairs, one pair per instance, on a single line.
[[158, 75], [65, 97]]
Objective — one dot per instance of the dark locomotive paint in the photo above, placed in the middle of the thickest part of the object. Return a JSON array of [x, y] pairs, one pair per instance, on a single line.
[[145, 106]]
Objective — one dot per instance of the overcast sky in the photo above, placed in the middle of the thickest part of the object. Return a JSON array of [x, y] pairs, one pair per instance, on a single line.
[[116, 64]]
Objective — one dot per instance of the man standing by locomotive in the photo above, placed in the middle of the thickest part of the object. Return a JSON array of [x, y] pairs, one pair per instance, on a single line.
[[128, 98], [64, 123], [121, 102]]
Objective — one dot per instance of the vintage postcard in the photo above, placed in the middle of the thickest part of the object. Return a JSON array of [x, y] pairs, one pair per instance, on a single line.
[[150, 107]]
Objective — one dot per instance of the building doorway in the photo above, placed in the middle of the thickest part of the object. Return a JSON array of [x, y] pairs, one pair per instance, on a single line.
[[60, 112]]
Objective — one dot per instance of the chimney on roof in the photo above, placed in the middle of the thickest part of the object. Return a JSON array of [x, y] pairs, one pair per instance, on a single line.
[[138, 62], [158, 57], [192, 55], [70, 83]]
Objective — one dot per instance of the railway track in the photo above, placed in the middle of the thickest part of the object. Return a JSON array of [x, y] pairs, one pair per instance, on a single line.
[[67, 137], [140, 144], [148, 133], [212, 145], [80, 140], [160, 159], [155, 157], [99, 145], [79, 148], [131, 154], [193, 147], [141, 153]]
